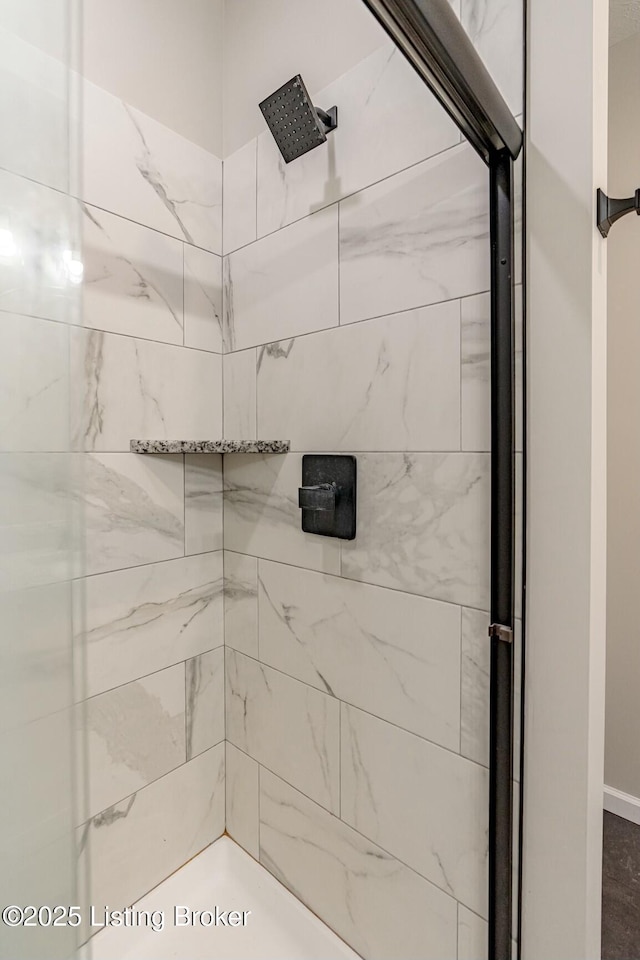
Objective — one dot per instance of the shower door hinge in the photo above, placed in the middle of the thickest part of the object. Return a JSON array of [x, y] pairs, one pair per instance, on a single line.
[[500, 632]]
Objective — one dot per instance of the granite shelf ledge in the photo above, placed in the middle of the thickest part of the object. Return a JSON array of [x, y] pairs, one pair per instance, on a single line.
[[210, 446]]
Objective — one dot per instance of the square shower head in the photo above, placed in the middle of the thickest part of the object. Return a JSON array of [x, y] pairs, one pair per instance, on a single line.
[[293, 120]]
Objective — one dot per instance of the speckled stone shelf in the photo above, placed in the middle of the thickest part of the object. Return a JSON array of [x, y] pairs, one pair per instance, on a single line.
[[210, 446]]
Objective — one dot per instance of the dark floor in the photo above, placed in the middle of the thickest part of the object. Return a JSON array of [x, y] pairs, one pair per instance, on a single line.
[[620, 889]]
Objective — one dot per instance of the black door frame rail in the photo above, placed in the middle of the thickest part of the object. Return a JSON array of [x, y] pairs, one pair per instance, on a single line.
[[432, 38]]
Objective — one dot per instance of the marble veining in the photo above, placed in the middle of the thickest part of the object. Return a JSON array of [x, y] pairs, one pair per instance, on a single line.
[[286, 725], [210, 446], [133, 510], [241, 603], [391, 383], [202, 299], [140, 620], [284, 284], [262, 516], [443, 834], [417, 238], [123, 386], [202, 503], [243, 819], [132, 278], [381, 907], [204, 684], [494, 27], [389, 120], [149, 173], [135, 734], [343, 638], [142, 839], [423, 525]]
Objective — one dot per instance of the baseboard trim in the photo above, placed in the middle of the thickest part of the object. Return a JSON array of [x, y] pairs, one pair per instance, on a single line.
[[622, 804]]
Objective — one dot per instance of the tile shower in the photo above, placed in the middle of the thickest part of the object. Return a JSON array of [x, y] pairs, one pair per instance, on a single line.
[[324, 702]]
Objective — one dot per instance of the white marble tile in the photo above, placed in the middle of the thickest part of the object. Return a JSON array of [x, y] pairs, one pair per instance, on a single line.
[[262, 517], [239, 197], [202, 502], [41, 497], [475, 690], [425, 805], [135, 844], [473, 934], [419, 237], [395, 655], [387, 384], [288, 726], [132, 278], [474, 686], [380, 907], [136, 621], [241, 603], [283, 285], [387, 120], [239, 374], [125, 388], [142, 170], [37, 663], [34, 384], [135, 734], [202, 299], [278, 926], [476, 371], [205, 701], [496, 30], [39, 245], [243, 815], [133, 510], [35, 104], [423, 525]]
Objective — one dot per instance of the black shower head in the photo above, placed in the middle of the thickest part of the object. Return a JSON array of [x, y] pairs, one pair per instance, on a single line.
[[297, 126]]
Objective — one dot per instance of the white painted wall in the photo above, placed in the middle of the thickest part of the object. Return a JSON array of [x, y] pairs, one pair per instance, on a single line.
[[566, 592], [163, 57], [266, 44], [622, 757]]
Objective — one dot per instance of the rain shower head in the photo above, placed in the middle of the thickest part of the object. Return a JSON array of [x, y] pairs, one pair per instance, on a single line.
[[297, 126]]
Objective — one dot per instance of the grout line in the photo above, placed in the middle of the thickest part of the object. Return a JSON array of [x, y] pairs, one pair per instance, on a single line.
[[151, 673], [374, 183], [340, 759], [259, 810], [186, 718], [184, 503], [355, 706], [366, 583], [359, 833], [184, 312], [135, 793], [141, 566], [379, 316]]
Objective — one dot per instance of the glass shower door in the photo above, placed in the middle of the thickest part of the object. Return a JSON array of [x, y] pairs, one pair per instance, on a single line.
[[40, 281]]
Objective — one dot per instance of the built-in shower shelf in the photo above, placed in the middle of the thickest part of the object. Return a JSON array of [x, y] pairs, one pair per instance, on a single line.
[[210, 446]]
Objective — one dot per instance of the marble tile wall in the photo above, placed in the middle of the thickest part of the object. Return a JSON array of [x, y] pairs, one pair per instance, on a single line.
[[40, 526], [146, 363], [356, 320]]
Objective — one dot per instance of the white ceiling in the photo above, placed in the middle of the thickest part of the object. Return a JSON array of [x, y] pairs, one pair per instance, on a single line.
[[624, 19]]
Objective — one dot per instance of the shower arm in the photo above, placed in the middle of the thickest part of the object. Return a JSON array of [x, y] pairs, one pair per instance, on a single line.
[[609, 210]]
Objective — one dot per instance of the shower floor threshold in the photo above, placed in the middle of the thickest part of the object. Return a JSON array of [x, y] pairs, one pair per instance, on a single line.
[[279, 927]]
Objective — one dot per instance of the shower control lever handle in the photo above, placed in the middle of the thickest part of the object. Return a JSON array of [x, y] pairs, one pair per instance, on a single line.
[[320, 497]]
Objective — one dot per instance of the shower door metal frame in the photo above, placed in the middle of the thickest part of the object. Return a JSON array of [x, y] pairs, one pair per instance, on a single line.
[[434, 41]]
